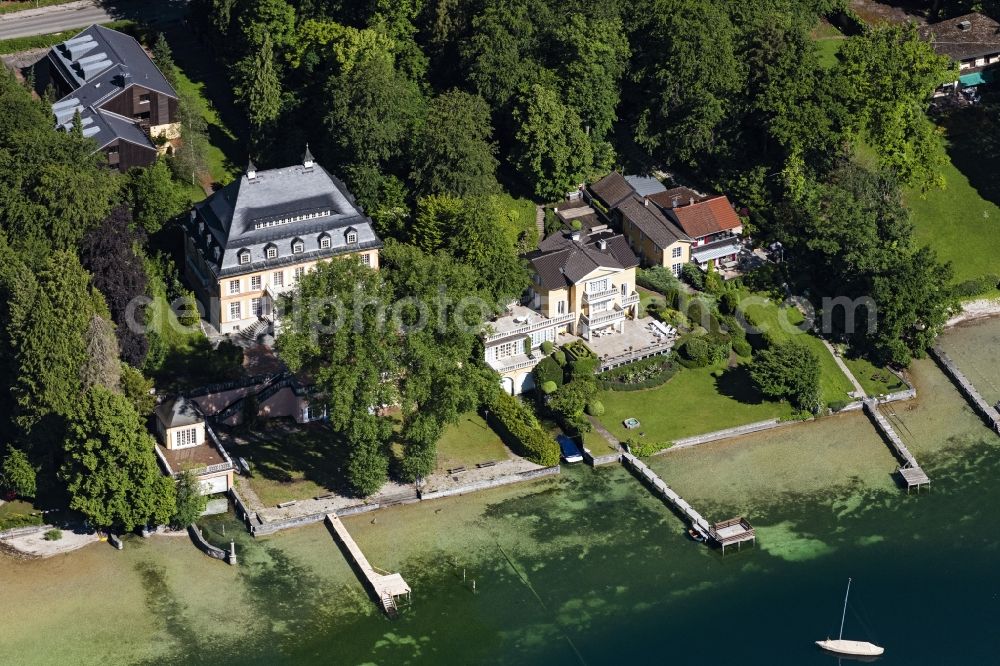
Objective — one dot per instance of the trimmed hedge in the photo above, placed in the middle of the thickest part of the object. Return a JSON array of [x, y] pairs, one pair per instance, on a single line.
[[642, 448], [977, 286], [660, 371], [517, 425], [549, 370], [595, 408]]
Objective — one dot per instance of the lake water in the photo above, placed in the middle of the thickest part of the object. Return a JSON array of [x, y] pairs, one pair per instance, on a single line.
[[587, 568]]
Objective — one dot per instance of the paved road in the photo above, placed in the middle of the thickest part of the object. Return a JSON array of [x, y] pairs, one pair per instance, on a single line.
[[51, 19]]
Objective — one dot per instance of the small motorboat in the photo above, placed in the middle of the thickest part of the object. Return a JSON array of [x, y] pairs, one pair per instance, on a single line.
[[696, 535], [570, 451], [846, 647]]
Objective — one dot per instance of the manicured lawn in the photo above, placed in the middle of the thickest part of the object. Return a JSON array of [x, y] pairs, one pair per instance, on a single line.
[[875, 381], [18, 514], [646, 297], [293, 462], [779, 322], [692, 403], [468, 442], [828, 40], [596, 444], [962, 221]]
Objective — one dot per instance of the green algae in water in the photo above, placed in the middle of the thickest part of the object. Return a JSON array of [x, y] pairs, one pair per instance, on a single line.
[[596, 569]]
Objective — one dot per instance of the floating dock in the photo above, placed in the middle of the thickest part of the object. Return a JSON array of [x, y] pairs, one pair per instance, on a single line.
[[987, 411], [385, 587], [727, 533], [909, 471]]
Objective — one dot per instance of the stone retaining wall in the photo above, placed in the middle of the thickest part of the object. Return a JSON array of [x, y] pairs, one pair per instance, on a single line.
[[492, 483], [23, 531], [207, 548], [597, 461]]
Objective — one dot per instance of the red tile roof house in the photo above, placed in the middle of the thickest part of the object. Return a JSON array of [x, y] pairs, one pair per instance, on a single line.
[[715, 228]]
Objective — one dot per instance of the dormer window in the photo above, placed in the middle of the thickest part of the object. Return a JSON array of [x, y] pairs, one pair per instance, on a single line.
[[271, 252], [325, 242], [351, 236], [298, 247], [244, 256]]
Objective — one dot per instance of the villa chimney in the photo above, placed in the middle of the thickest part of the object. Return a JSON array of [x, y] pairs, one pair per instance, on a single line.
[[676, 200], [575, 236], [602, 244], [251, 170], [645, 202], [690, 201], [307, 159]]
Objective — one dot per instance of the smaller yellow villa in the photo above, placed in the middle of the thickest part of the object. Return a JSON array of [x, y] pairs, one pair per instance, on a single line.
[[187, 444]]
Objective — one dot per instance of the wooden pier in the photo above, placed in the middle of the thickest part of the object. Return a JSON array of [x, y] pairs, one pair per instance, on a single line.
[[909, 471], [385, 587], [985, 409], [727, 533]]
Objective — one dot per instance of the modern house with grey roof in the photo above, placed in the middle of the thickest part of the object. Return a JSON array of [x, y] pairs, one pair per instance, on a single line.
[[252, 240], [124, 102]]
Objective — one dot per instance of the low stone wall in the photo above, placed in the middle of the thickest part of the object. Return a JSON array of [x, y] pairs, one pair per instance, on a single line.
[[23, 531], [597, 461], [725, 434], [264, 529], [207, 548], [492, 483]]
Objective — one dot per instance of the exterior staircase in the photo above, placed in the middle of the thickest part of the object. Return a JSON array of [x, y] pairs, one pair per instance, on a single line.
[[253, 330], [389, 605]]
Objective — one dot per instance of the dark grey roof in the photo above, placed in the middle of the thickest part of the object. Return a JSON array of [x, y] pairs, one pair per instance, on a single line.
[[278, 207], [645, 185], [179, 412], [563, 261], [85, 56], [98, 64], [650, 221], [612, 189], [964, 37]]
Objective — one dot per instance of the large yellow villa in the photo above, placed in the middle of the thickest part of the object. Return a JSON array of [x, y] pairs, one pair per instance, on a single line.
[[252, 240]]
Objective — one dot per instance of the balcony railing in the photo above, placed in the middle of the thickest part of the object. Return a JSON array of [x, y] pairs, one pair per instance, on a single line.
[[535, 326], [512, 363], [631, 299], [594, 296], [603, 317]]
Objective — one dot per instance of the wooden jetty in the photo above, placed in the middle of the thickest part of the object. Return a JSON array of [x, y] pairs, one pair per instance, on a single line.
[[909, 471], [385, 587], [987, 411], [727, 533]]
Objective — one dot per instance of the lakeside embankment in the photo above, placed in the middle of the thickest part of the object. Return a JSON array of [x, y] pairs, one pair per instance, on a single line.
[[586, 567]]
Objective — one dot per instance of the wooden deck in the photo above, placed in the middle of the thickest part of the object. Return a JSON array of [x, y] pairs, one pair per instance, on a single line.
[[385, 587], [909, 471], [727, 533]]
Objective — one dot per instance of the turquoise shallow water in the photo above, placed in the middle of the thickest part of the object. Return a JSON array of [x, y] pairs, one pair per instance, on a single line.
[[585, 569]]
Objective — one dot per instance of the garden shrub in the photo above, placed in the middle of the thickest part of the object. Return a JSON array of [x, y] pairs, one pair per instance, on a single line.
[[742, 348], [694, 350], [549, 387], [53, 535], [559, 356], [714, 284], [547, 371], [694, 276], [547, 347], [583, 367], [660, 280], [595, 408], [518, 426], [729, 303], [977, 286], [698, 312], [642, 448]]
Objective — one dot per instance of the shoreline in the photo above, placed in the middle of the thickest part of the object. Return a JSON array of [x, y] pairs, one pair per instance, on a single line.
[[981, 308]]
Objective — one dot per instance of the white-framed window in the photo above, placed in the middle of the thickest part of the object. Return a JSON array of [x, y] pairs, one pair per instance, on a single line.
[[234, 286], [255, 283], [675, 253], [299, 272], [257, 306], [596, 286], [186, 437], [624, 289], [508, 349], [366, 259], [278, 278], [676, 269], [600, 306], [235, 313], [244, 257], [272, 252], [352, 237], [298, 247], [561, 307], [324, 242]]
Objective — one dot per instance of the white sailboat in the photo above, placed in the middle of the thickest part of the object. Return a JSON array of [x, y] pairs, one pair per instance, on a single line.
[[852, 648]]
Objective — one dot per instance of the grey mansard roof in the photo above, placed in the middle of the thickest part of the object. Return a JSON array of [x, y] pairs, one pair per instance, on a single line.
[[277, 208]]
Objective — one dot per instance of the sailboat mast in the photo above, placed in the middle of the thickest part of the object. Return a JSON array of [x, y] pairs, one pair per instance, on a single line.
[[844, 614]]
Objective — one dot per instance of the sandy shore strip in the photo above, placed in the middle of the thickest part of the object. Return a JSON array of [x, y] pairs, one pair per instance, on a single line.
[[983, 307], [35, 546]]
